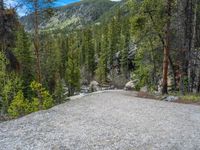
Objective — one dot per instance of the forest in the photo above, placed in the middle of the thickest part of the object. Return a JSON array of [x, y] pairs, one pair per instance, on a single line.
[[153, 43]]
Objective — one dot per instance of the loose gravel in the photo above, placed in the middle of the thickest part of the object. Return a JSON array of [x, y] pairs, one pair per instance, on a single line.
[[112, 120]]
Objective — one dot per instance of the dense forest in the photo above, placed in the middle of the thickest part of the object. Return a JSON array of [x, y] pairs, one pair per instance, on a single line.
[[153, 43]]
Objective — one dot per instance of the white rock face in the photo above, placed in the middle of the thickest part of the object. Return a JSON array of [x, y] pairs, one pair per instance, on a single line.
[[130, 85]]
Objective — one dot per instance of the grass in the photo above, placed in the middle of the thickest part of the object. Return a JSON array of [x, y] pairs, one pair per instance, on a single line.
[[190, 98], [186, 99]]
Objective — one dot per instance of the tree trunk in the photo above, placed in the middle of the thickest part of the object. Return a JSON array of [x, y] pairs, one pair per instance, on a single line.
[[190, 66], [36, 41], [166, 48], [191, 13], [37, 48], [173, 72], [198, 83]]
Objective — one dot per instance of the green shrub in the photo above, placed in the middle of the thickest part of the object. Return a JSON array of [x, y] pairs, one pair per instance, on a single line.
[[191, 98], [43, 100], [19, 106]]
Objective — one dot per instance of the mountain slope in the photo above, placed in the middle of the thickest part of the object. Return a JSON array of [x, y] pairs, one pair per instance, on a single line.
[[72, 16]]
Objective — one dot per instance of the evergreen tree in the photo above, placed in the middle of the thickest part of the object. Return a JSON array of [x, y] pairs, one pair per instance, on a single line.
[[88, 54], [102, 67], [73, 66], [10, 84], [19, 106], [24, 54], [124, 56], [42, 100]]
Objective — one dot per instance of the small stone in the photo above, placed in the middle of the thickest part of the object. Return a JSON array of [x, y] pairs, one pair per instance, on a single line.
[[144, 89], [171, 98], [129, 86]]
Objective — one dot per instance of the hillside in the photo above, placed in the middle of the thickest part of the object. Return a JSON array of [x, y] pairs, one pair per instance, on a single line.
[[72, 16]]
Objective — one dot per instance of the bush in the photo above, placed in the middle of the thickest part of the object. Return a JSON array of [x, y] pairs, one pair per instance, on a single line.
[[43, 100], [191, 98], [19, 106]]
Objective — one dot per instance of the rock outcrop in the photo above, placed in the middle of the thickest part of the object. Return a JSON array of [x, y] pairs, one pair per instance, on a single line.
[[94, 86]]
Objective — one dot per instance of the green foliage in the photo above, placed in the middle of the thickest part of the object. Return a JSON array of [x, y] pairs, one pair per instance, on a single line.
[[101, 71], [58, 94], [68, 58], [148, 28], [43, 100], [67, 17], [24, 54], [191, 98], [51, 65], [73, 67], [124, 55], [114, 30], [88, 54], [10, 84], [19, 106]]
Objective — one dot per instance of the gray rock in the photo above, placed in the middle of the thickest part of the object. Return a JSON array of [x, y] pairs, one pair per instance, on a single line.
[[94, 86], [85, 89], [171, 98], [144, 89], [111, 120], [130, 85], [131, 54], [160, 86], [119, 81]]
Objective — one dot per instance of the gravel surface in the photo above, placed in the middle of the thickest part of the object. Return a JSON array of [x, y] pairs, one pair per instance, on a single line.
[[112, 120]]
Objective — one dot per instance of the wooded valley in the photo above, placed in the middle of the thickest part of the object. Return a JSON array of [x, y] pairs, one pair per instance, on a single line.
[[150, 43]]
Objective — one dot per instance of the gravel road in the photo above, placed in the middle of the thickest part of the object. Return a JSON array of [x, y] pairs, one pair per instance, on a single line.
[[112, 120]]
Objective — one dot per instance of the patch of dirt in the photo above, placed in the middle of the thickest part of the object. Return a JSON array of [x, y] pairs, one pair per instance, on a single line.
[[4, 118], [147, 95]]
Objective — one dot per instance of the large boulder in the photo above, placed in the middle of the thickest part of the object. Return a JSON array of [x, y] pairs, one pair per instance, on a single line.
[[130, 85], [118, 81], [94, 86]]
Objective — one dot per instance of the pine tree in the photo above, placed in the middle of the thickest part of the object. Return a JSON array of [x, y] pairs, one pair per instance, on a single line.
[[114, 30], [37, 7], [88, 54], [124, 56], [24, 55], [125, 41], [19, 106], [43, 99], [167, 47], [10, 84], [102, 66], [73, 66]]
